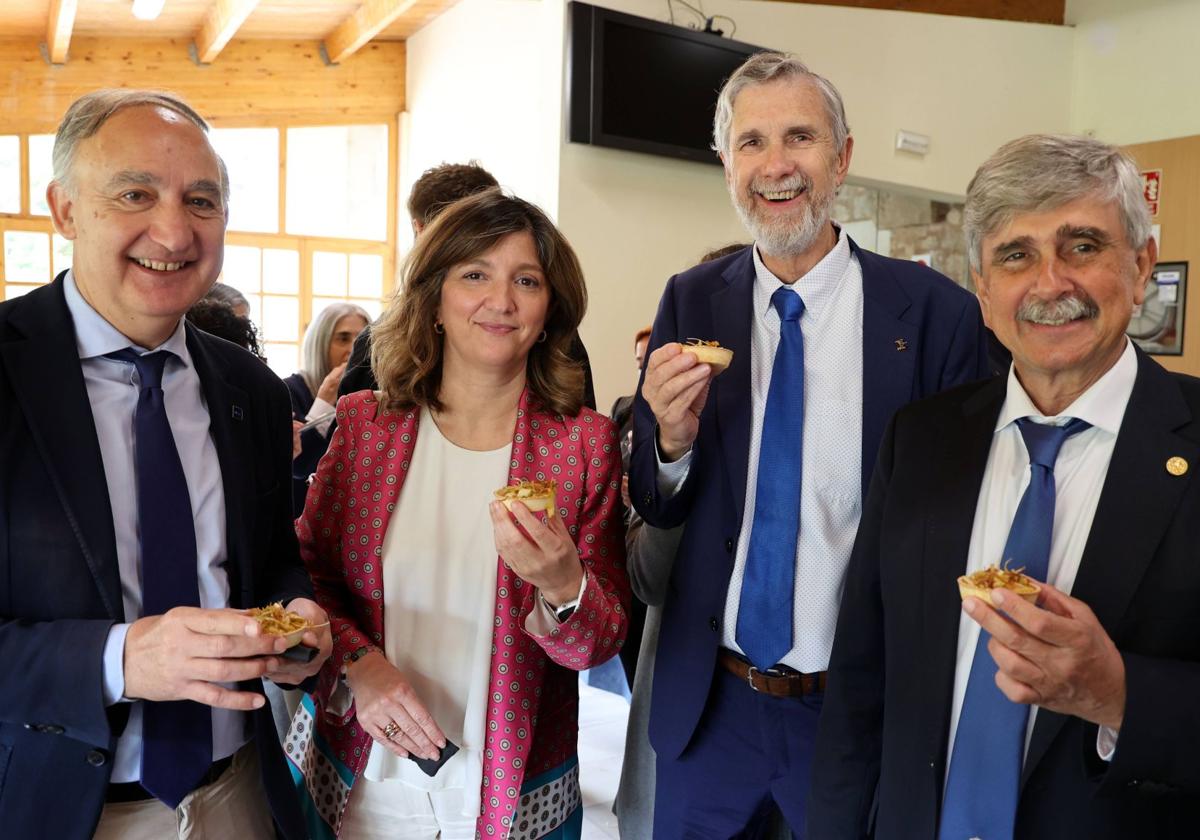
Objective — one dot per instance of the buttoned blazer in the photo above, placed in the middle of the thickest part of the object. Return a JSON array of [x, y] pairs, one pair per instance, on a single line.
[[921, 334], [533, 713], [887, 710], [60, 588]]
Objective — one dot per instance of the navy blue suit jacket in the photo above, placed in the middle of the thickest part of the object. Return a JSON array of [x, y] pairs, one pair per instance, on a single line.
[[60, 588], [881, 745], [904, 305]]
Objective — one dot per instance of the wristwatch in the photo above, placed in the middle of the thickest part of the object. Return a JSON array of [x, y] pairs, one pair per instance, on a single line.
[[562, 613]]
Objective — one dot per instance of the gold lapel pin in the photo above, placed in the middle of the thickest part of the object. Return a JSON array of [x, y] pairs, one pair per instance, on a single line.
[[901, 344], [1177, 465]]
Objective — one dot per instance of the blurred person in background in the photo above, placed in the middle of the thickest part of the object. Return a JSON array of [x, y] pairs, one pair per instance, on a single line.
[[314, 389], [224, 293], [439, 642]]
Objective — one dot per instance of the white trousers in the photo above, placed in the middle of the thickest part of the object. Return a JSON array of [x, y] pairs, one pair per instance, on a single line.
[[234, 806], [392, 810]]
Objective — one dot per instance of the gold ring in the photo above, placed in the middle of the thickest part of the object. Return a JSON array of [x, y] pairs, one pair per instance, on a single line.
[[390, 730]]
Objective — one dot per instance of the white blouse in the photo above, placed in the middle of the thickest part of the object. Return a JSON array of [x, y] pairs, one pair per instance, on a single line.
[[439, 601]]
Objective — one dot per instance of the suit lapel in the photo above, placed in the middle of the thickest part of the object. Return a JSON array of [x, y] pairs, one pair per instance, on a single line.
[[1117, 555], [957, 473], [48, 381], [229, 417], [732, 313], [890, 352]]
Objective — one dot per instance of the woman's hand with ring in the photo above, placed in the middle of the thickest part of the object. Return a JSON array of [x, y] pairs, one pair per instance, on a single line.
[[390, 711], [546, 558]]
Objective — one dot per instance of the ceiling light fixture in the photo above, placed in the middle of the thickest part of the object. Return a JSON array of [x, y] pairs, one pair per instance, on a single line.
[[147, 9]]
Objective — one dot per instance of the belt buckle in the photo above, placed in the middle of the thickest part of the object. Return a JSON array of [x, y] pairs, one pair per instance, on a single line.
[[750, 677]]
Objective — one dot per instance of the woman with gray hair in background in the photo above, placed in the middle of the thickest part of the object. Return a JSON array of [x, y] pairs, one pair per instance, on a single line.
[[323, 356]]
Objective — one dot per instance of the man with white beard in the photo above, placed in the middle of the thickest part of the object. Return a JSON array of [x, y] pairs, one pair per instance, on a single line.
[[766, 466]]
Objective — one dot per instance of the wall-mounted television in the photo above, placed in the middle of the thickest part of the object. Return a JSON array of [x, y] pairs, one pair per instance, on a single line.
[[645, 86]]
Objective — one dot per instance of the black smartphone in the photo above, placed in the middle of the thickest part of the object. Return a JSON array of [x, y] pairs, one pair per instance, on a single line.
[[299, 653], [430, 766]]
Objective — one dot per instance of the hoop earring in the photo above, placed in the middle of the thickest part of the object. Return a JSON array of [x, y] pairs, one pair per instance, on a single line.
[[542, 337], [439, 327]]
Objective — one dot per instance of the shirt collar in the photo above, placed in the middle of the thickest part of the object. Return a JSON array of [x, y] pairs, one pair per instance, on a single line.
[[1102, 405], [95, 337], [816, 287]]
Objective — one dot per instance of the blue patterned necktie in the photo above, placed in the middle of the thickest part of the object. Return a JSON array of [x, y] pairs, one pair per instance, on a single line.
[[176, 736], [764, 624], [989, 744]]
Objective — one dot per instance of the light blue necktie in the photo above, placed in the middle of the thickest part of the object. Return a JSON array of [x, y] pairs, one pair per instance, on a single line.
[[764, 624], [989, 744]]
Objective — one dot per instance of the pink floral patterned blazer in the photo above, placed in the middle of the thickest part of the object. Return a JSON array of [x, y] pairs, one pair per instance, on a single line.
[[532, 717]]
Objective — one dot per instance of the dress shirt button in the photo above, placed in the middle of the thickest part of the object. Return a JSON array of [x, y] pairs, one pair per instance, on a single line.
[[712, 623], [96, 758], [729, 546]]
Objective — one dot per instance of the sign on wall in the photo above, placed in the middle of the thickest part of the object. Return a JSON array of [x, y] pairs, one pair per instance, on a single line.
[[1152, 188]]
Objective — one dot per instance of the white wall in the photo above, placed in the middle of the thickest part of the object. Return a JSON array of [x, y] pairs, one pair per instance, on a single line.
[[1136, 69]]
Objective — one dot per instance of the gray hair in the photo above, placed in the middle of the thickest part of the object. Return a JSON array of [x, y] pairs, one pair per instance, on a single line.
[[227, 294], [764, 67], [314, 352], [91, 111], [1041, 172]]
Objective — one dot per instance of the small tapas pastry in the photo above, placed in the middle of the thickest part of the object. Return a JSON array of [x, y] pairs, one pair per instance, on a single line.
[[981, 584], [276, 621], [535, 495], [710, 353]]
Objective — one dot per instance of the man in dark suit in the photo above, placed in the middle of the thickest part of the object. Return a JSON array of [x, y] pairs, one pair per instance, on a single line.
[[953, 718], [766, 464], [144, 504]]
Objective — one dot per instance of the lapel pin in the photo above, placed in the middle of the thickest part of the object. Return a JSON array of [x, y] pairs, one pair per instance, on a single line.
[[237, 412], [901, 345], [1177, 465]]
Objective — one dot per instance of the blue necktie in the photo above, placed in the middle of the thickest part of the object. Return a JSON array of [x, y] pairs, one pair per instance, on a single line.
[[176, 736], [989, 744], [764, 624]]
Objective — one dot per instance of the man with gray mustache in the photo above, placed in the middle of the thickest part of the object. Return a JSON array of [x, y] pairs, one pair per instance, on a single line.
[[765, 466], [953, 717]]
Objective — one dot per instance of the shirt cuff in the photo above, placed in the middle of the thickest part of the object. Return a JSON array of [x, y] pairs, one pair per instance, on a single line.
[[541, 621], [1106, 743], [320, 408], [670, 476], [114, 665]]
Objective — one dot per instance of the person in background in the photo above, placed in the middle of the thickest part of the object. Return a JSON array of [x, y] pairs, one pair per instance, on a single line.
[[767, 463], [323, 357], [1076, 717], [224, 293], [142, 509], [439, 641], [436, 189], [218, 318]]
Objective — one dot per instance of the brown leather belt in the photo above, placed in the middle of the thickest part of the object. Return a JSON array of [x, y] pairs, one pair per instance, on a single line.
[[134, 792], [777, 682]]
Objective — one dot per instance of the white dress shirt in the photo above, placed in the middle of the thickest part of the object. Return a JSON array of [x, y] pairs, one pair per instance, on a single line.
[[113, 394], [1078, 478], [831, 471]]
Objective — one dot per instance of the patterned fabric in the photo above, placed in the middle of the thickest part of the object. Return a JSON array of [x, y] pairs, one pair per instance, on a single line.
[[532, 717], [547, 804]]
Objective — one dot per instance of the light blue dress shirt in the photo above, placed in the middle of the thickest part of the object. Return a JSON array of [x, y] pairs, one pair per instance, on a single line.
[[113, 393]]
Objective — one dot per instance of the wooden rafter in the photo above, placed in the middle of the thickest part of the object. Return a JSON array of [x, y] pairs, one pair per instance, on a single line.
[[222, 21], [58, 29], [1030, 11], [371, 18]]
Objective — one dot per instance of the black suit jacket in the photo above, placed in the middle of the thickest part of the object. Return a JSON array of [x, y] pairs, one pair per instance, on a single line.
[[60, 588], [887, 711]]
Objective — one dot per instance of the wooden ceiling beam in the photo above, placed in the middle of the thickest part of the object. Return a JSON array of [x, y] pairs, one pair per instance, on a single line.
[[58, 29], [1029, 11], [355, 31], [224, 18]]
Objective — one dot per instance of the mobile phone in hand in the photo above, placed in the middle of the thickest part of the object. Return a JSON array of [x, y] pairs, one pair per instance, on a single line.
[[431, 766]]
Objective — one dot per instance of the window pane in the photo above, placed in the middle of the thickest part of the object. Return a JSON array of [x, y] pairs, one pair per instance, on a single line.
[[281, 318], [255, 313], [242, 268], [10, 174], [252, 156], [26, 257], [373, 306], [41, 170], [284, 359], [337, 180], [64, 249], [329, 273], [281, 271], [11, 291], [366, 275]]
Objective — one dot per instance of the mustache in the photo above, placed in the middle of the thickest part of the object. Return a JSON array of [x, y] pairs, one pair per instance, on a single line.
[[1055, 313], [799, 181]]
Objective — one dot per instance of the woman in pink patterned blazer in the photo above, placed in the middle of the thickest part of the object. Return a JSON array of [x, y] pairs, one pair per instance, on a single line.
[[449, 707]]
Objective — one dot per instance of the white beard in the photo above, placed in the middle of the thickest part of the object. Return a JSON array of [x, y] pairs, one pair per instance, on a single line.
[[783, 237]]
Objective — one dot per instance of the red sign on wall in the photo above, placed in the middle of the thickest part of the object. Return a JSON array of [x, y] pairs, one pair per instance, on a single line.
[[1152, 188]]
